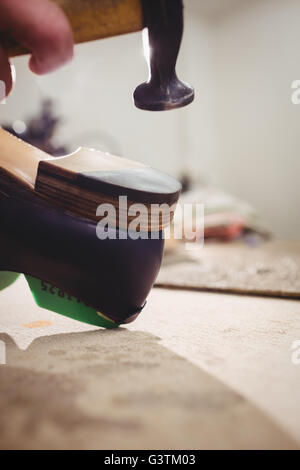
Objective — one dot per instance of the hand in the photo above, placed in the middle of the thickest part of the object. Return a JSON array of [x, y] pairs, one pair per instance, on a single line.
[[42, 27]]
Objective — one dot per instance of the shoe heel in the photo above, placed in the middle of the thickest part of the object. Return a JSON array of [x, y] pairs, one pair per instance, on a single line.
[[52, 298], [7, 278]]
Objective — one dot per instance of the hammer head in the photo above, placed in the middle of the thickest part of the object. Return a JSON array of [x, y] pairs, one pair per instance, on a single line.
[[95, 19], [163, 91]]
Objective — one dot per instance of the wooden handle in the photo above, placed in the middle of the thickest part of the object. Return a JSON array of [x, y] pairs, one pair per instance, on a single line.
[[90, 20]]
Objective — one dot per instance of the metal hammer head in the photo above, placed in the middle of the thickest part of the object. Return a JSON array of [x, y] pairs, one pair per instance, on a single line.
[[163, 91]]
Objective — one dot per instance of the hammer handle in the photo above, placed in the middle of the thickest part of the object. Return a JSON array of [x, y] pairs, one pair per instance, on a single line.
[[90, 20]]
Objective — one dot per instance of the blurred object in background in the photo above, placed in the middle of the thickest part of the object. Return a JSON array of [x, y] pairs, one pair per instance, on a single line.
[[44, 131], [40, 131], [226, 218]]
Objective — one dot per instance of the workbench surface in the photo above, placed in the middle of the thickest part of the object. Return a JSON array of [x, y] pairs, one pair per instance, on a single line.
[[196, 370]]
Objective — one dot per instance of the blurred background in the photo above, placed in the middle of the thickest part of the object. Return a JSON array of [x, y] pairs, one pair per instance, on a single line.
[[240, 136]]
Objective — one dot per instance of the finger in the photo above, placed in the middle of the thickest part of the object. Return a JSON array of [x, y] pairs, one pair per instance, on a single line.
[[6, 82], [42, 27]]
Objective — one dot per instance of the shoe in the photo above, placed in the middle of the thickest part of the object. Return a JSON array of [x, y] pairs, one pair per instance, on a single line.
[[49, 230]]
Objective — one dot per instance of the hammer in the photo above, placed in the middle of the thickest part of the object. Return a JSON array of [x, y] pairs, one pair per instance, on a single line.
[[97, 19]]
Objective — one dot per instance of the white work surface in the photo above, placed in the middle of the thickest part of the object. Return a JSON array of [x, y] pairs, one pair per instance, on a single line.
[[195, 370]]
